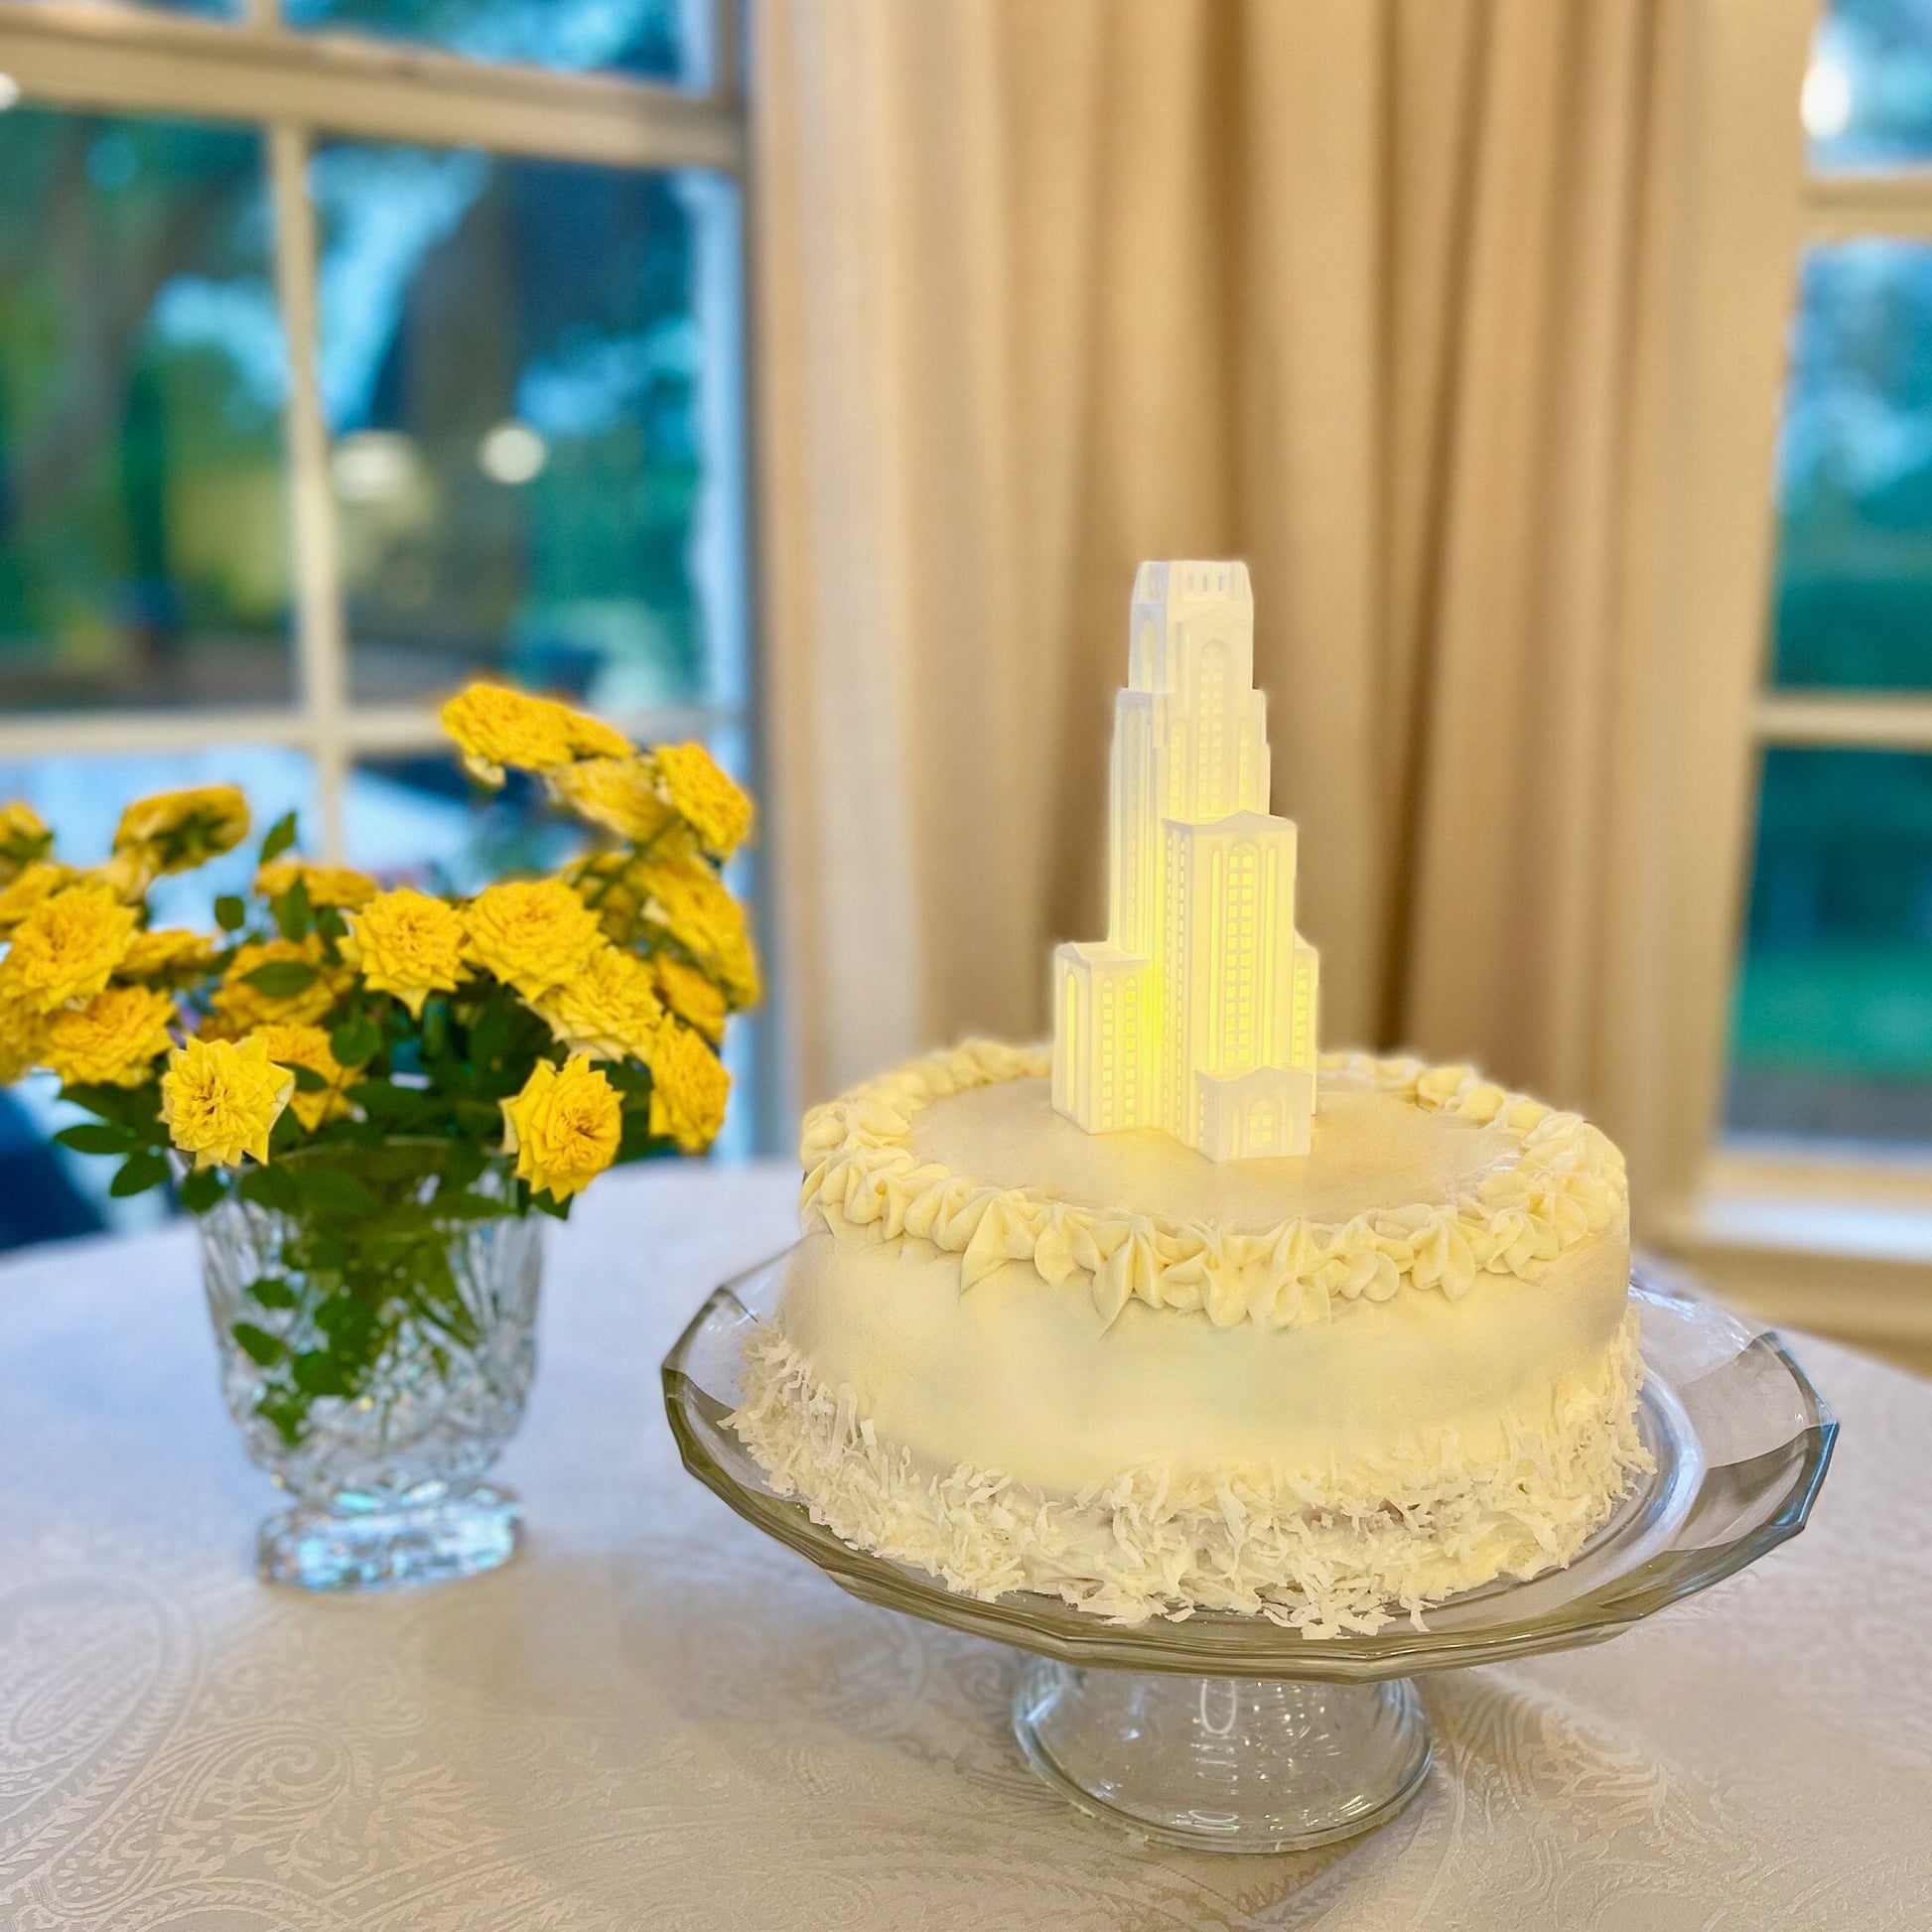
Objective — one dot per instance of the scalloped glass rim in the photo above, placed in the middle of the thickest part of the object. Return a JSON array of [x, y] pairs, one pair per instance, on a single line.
[[1742, 1438]]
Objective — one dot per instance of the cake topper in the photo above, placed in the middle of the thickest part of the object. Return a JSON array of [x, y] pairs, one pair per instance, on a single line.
[[1196, 1015]]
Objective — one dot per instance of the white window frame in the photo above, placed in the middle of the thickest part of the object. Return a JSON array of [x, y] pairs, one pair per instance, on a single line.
[[1834, 1237], [255, 72]]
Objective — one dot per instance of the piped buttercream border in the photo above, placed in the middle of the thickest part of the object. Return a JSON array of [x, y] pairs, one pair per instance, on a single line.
[[1563, 1184]]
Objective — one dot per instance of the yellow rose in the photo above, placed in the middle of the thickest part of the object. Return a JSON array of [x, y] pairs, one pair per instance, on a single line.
[[21, 1029], [171, 953], [127, 874], [701, 794], [688, 1089], [608, 1009], [113, 1042], [290, 1046], [689, 995], [687, 901], [495, 726], [177, 830], [563, 1128], [406, 943], [241, 1007], [534, 935], [23, 894], [218, 1100], [618, 793], [340, 886], [66, 948], [24, 840]]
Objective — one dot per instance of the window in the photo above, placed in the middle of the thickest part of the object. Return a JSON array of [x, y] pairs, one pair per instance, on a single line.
[[1815, 1192], [349, 347]]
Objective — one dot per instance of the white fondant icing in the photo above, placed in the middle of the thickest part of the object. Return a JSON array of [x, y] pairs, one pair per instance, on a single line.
[[1026, 1357]]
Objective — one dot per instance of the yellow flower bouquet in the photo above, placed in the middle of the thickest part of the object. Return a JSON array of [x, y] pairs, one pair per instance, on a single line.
[[366, 1090]]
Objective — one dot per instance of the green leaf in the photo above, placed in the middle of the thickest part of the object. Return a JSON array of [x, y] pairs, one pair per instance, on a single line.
[[466, 1207], [282, 979], [138, 1173], [281, 835], [400, 1106], [330, 923], [292, 910], [286, 1410], [231, 914], [272, 1292], [551, 1206], [258, 1344], [318, 1372], [335, 1191], [490, 1037], [355, 1040], [200, 1190], [464, 1161], [133, 1107], [307, 1079], [271, 1187], [91, 1139]]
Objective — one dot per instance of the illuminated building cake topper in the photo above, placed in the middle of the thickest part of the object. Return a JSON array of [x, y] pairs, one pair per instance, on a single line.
[[1197, 1013]]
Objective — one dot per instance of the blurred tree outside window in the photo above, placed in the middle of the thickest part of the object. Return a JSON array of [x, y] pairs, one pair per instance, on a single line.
[[1832, 1013]]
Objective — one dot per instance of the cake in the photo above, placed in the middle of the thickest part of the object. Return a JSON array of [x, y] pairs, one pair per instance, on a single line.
[[1174, 1313]]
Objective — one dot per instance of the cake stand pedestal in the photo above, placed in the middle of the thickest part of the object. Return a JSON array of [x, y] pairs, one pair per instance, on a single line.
[[1228, 1732], [1240, 1763]]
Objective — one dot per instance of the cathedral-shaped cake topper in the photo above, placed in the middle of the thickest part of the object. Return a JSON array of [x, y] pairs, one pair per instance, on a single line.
[[1196, 1014]]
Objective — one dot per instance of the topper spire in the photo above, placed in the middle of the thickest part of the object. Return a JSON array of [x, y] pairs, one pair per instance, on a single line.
[[1196, 1014]]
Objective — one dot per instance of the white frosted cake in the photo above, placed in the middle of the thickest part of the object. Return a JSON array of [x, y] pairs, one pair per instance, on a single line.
[[1104, 1367], [1177, 1313]]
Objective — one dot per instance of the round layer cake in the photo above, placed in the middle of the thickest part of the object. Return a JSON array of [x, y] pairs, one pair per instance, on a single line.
[[1101, 1366]]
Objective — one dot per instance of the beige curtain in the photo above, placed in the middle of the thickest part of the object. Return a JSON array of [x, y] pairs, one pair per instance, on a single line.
[[1363, 291]]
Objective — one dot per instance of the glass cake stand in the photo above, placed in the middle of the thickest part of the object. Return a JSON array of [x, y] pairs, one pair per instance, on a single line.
[[1230, 1732]]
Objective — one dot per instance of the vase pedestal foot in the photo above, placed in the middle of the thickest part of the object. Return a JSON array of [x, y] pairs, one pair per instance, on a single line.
[[391, 1545], [1225, 1764]]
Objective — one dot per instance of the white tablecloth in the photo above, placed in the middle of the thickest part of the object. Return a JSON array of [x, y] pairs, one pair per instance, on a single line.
[[656, 1717]]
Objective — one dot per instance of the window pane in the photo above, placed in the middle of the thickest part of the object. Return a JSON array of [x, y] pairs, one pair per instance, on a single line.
[[1854, 562], [47, 1191], [82, 797], [1832, 1026], [657, 40], [1867, 96], [522, 363], [421, 820], [143, 555]]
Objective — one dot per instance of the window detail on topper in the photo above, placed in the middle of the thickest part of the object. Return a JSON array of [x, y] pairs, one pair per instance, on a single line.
[[1196, 1014]]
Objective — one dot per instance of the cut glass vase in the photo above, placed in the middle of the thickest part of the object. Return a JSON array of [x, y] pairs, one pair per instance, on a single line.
[[378, 1379]]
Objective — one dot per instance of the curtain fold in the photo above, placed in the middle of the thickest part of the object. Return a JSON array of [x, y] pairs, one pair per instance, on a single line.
[[1358, 290]]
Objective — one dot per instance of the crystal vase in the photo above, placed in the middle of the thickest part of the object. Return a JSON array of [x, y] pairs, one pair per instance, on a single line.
[[377, 1337]]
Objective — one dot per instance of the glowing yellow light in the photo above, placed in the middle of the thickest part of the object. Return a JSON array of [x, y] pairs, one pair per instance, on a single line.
[[1196, 1014], [513, 452], [370, 466], [1825, 103]]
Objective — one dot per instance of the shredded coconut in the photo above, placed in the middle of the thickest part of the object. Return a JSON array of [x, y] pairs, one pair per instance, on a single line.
[[1326, 1552]]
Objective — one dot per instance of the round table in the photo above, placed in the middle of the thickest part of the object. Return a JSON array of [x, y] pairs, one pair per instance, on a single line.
[[654, 1716]]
